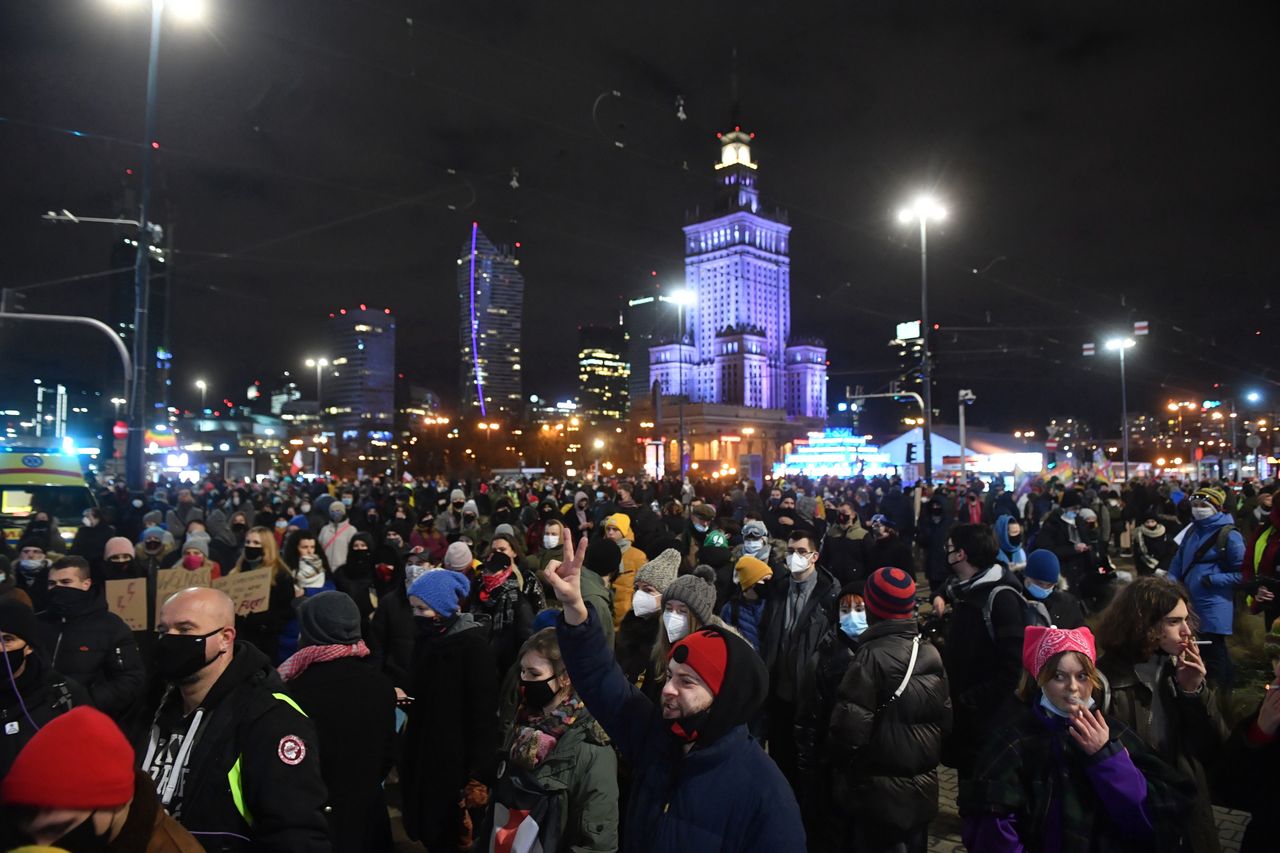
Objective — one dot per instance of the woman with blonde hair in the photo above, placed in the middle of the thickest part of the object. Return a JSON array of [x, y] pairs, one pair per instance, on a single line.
[[263, 629]]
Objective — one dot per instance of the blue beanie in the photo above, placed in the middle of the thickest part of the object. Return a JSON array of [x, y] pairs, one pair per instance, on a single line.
[[1043, 566], [300, 522], [157, 532], [545, 619], [441, 589]]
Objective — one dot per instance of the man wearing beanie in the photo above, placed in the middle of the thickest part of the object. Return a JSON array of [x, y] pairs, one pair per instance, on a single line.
[[1055, 606], [229, 751], [353, 707], [896, 688], [689, 754], [106, 801], [26, 681], [451, 740], [458, 558], [1209, 563], [618, 528]]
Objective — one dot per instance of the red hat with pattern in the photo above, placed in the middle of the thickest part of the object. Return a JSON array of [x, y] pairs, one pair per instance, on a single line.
[[1039, 644]]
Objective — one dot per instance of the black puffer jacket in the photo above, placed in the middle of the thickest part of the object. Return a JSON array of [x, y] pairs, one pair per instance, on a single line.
[[45, 694], [95, 648], [886, 756]]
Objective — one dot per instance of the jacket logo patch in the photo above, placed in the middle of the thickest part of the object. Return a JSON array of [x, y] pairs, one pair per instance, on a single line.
[[291, 750]]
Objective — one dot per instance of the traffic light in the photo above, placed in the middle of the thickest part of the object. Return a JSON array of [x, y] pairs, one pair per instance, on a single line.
[[911, 452], [1053, 460]]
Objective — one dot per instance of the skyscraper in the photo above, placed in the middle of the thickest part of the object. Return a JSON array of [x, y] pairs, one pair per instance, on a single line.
[[490, 314], [602, 373], [358, 396], [647, 319], [738, 348]]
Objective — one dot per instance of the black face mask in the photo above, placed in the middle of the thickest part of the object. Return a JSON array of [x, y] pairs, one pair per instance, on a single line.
[[537, 694], [85, 838], [179, 656], [17, 657], [152, 545], [429, 627], [459, 504], [688, 728], [252, 553], [1015, 541], [843, 517], [239, 528], [66, 600]]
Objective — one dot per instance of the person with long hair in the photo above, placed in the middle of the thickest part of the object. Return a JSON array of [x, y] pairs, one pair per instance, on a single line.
[[1156, 686], [311, 573], [687, 606], [1061, 774], [263, 629]]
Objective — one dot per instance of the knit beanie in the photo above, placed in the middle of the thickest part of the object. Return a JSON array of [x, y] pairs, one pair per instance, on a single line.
[[117, 545], [735, 674], [1071, 498], [471, 507], [300, 522], [890, 593], [1043, 566], [457, 495], [458, 557], [17, 618], [1217, 497], [755, 527], [504, 530], [716, 556], [696, 590], [750, 571], [622, 521], [603, 556], [660, 571], [199, 541], [545, 619], [441, 590], [1040, 643], [715, 539], [328, 619], [83, 738], [153, 533]]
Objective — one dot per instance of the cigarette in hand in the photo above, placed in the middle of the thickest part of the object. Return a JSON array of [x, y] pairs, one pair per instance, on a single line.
[[1202, 642]]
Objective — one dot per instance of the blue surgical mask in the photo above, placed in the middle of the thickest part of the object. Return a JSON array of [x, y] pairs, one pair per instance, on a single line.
[[1069, 515], [854, 622], [1039, 593], [701, 528], [1055, 710]]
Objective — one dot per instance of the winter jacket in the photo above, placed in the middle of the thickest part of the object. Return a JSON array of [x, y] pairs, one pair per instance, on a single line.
[[264, 629], [982, 672], [694, 802], [892, 550], [43, 694], [1212, 580], [352, 706], [1013, 556], [252, 772], [1034, 789], [391, 636], [886, 753], [633, 646], [786, 655], [624, 585], [843, 553], [1262, 551], [597, 594], [1247, 780], [95, 648], [335, 539], [452, 733], [1153, 549], [744, 616], [1185, 731], [507, 619], [148, 829]]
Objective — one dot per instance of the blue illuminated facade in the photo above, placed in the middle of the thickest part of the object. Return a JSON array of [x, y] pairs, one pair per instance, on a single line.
[[490, 317]]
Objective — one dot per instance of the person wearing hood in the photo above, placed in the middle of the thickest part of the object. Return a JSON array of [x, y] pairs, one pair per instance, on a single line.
[[617, 527], [355, 578], [31, 571], [232, 755], [391, 632], [1209, 564], [43, 531], [335, 536], [885, 547], [1056, 606], [153, 549], [311, 574], [744, 610], [1009, 537], [936, 518], [353, 707], [86, 642], [638, 633], [690, 753], [1260, 572], [1153, 549], [843, 551], [499, 605], [31, 692], [91, 538], [823, 673], [578, 516], [550, 545], [451, 738]]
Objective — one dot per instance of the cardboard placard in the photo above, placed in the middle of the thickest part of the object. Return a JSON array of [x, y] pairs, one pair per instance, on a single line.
[[169, 581], [249, 591], [128, 599]]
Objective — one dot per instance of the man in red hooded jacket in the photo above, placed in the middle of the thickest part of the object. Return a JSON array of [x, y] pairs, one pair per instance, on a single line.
[[1261, 554]]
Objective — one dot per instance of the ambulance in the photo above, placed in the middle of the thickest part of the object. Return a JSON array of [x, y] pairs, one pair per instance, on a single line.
[[42, 480]]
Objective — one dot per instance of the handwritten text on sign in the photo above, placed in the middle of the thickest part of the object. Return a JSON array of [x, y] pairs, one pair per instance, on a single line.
[[249, 591], [128, 600], [169, 581]]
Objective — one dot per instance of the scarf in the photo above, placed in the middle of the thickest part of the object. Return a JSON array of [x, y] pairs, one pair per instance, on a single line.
[[488, 583], [297, 663], [310, 572], [538, 734]]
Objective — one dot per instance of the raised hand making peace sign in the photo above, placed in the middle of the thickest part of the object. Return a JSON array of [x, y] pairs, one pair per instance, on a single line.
[[565, 580]]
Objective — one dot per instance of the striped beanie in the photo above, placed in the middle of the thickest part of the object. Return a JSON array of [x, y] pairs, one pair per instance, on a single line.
[[1215, 497], [890, 593]]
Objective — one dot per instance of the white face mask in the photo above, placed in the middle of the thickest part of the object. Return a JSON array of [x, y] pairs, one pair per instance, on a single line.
[[1200, 513], [753, 546], [798, 564], [550, 540], [644, 603], [677, 625]]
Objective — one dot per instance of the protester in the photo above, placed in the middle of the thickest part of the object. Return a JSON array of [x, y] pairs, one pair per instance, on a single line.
[[744, 610], [638, 635], [618, 528], [1009, 536], [884, 547], [1261, 570], [335, 536], [1153, 547], [603, 558], [310, 569], [263, 629], [499, 606], [1054, 605], [843, 553], [31, 570]]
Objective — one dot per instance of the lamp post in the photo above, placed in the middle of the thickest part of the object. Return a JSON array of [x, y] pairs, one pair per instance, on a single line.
[[598, 445], [1120, 345], [965, 398], [924, 209], [681, 298], [203, 386], [319, 364]]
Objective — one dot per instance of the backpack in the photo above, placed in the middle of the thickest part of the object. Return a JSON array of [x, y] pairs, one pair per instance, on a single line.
[[1033, 612], [1219, 542]]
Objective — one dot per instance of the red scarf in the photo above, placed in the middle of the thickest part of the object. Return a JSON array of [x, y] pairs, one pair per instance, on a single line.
[[298, 662], [488, 583]]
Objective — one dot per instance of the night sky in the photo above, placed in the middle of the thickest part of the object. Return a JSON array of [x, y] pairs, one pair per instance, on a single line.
[[1103, 162]]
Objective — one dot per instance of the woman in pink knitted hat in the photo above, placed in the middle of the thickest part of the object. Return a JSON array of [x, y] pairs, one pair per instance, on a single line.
[[1059, 775]]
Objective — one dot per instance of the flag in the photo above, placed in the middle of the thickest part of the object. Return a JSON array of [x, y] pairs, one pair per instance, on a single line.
[[296, 466]]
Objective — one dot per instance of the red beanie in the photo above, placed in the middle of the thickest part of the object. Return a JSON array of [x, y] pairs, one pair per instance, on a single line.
[[85, 739], [890, 593], [706, 654]]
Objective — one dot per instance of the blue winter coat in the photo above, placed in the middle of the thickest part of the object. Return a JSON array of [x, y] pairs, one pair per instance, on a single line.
[[748, 621], [1211, 581], [728, 796]]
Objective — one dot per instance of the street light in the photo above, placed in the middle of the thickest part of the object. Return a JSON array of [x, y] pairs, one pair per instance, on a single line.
[[1120, 345], [682, 297], [923, 209], [203, 386], [319, 364]]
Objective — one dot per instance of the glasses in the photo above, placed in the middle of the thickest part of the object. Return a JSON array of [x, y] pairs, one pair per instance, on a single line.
[[803, 552]]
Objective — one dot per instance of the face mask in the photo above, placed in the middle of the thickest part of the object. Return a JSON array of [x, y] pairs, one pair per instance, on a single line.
[[281, 524], [842, 518], [537, 694], [429, 627], [346, 501], [854, 622], [179, 656], [599, 496], [1039, 593], [459, 504], [1200, 513], [85, 837], [644, 603], [686, 728], [701, 528], [193, 561], [137, 504], [65, 600], [1069, 516], [798, 564], [30, 567], [305, 508], [1055, 710], [677, 625], [550, 540], [235, 501], [468, 518], [1015, 541], [17, 657], [88, 521], [252, 553], [152, 545]]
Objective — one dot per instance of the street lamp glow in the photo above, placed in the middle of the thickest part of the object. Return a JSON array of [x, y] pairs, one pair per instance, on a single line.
[[598, 443], [201, 384], [683, 297], [317, 362], [923, 208], [1120, 344], [1253, 397], [190, 11]]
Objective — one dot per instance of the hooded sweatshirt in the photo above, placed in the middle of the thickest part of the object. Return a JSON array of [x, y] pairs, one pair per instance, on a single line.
[[1014, 556]]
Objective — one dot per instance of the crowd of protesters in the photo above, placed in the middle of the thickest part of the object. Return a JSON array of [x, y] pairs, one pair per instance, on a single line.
[[651, 665]]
